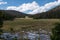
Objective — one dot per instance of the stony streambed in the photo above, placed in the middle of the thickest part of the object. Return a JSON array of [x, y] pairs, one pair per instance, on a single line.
[[30, 35]]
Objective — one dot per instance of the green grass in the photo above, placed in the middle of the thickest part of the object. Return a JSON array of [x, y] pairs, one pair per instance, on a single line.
[[30, 24]]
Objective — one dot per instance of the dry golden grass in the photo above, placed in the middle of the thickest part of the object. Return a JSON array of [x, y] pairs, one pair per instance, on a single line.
[[30, 24]]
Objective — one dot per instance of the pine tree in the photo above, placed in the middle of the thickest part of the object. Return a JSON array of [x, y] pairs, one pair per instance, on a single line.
[[1, 22]]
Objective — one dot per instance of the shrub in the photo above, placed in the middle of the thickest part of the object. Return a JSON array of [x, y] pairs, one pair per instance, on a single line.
[[56, 32]]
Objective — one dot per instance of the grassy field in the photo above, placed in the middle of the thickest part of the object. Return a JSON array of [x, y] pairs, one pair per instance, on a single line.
[[30, 24]]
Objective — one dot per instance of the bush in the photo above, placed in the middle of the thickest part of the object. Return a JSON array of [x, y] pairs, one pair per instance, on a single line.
[[56, 32], [1, 19]]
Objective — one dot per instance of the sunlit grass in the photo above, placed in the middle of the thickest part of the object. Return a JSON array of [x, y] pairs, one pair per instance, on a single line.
[[30, 24]]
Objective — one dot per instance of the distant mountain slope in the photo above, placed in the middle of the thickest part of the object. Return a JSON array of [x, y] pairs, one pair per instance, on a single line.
[[53, 13], [15, 13], [12, 14]]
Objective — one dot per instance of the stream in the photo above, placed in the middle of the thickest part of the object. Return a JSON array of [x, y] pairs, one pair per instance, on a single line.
[[31, 35]]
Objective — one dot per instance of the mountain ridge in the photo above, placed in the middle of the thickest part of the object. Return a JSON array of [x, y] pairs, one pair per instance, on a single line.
[[53, 13]]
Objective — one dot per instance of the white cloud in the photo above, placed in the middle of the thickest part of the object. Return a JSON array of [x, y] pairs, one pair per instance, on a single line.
[[2, 2], [12, 7], [46, 7], [34, 7], [24, 7]]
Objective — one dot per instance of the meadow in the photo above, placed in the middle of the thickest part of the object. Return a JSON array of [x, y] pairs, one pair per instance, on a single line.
[[30, 24]]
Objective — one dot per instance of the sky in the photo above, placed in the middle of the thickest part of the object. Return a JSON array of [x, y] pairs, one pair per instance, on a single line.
[[29, 6]]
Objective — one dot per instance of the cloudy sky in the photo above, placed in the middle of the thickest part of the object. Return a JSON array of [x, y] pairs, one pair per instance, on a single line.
[[29, 6]]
